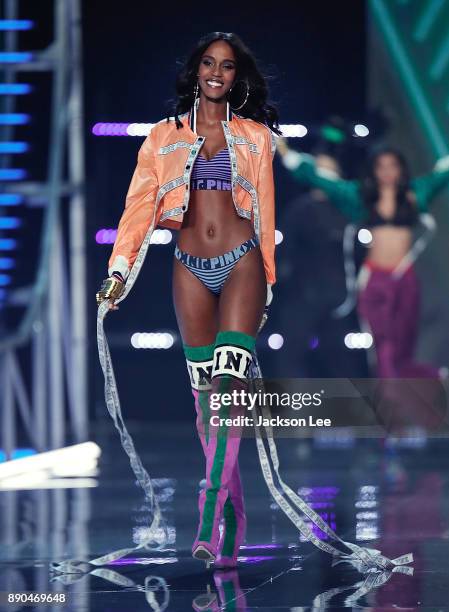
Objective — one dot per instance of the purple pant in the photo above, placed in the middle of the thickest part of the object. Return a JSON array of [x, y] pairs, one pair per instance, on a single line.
[[390, 306]]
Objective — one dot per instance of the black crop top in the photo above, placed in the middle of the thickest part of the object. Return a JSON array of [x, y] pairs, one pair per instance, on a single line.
[[407, 217]]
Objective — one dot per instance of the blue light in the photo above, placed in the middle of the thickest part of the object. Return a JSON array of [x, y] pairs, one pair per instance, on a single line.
[[2, 294], [10, 199], [6, 263], [9, 223], [18, 453], [13, 118], [12, 174], [13, 147], [7, 244], [15, 57], [14, 89], [16, 24], [4, 280]]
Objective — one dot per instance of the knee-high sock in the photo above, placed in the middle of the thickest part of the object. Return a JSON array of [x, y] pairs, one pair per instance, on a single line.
[[199, 364], [232, 358]]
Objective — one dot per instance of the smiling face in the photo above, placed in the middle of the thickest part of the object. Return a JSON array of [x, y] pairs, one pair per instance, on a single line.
[[217, 70], [387, 170]]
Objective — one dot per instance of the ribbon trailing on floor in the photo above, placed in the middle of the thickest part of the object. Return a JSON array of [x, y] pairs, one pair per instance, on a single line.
[[156, 535], [364, 559]]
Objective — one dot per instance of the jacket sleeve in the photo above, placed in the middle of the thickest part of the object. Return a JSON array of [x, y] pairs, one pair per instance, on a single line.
[[342, 193], [265, 194], [427, 187], [139, 212]]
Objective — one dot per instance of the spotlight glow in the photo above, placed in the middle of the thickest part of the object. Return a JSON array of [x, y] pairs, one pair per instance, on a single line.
[[161, 236], [275, 341], [75, 458], [358, 340], [364, 236], [10, 199], [108, 236], [290, 130], [278, 237], [152, 340], [293, 130], [139, 129], [361, 130]]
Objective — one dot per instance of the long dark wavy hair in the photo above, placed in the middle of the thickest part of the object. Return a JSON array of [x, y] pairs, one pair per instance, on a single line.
[[370, 187], [256, 106]]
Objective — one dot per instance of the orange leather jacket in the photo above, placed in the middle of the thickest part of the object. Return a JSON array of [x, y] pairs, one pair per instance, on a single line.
[[159, 191]]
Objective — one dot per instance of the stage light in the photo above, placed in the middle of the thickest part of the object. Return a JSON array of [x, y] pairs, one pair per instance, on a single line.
[[361, 130], [108, 236], [139, 129], [314, 343], [6, 263], [15, 24], [12, 174], [10, 199], [4, 280], [14, 118], [358, 340], [40, 480], [7, 223], [290, 130], [278, 237], [110, 129], [14, 89], [13, 147], [152, 340], [75, 458], [7, 244], [293, 130], [18, 453], [15, 57], [161, 236], [275, 341], [364, 236]]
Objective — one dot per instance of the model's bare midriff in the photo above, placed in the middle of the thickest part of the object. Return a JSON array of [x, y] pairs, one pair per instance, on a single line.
[[211, 226], [389, 245]]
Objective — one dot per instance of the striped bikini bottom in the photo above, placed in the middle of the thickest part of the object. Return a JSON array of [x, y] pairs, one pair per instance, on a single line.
[[213, 271]]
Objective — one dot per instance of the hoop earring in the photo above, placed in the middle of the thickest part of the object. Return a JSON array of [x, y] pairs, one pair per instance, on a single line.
[[196, 90], [246, 97]]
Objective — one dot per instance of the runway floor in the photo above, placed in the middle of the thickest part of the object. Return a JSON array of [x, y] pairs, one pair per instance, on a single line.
[[387, 496]]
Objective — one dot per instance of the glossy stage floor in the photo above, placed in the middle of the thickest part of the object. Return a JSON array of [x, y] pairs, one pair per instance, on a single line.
[[393, 496]]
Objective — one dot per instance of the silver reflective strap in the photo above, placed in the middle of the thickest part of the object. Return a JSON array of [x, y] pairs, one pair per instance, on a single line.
[[368, 557], [172, 147], [429, 223], [173, 184], [249, 187], [156, 536], [152, 585], [241, 140], [373, 581], [350, 273]]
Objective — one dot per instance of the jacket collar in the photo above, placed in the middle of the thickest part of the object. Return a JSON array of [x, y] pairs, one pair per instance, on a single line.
[[194, 110]]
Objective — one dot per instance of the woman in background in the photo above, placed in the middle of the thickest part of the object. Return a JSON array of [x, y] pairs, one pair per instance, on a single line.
[[388, 203]]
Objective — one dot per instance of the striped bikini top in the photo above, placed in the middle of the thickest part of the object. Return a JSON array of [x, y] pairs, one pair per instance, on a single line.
[[214, 173]]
